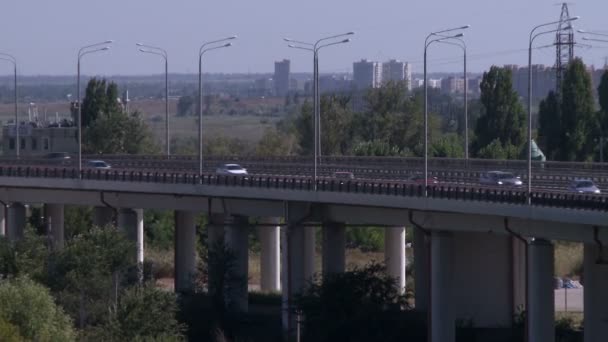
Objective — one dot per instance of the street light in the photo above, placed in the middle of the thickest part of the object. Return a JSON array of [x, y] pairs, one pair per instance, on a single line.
[[427, 43], [85, 50], [201, 52], [13, 60], [163, 53], [463, 46], [314, 48], [592, 33], [533, 36]]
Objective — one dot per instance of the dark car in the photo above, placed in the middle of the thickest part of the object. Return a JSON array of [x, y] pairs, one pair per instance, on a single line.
[[59, 158], [419, 179]]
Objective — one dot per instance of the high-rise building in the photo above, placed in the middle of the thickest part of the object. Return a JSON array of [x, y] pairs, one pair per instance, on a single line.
[[450, 85], [281, 77], [367, 74], [395, 70]]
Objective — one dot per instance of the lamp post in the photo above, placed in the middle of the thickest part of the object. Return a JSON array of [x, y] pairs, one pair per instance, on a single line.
[[314, 48], [97, 47], [201, 52], [13, 60], [163, 53], [534, 35], [427, 43], [463, 46]]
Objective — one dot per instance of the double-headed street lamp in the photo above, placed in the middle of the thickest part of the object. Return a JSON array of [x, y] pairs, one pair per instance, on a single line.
[[97, 47], [534, 35], [163, 53], [441, 36], [208, 46], [463, 46], [314, 48], [13, 60]]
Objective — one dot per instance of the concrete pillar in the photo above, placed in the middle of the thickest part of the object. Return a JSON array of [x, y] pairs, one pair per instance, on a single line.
[[443, 326], [215, 240], [185, 251], [481, 275], [237, 241], [16, 221], [293, 279], [596, 293], [421, 270], [518, 249], [3, 220], [131, 221], [334, 248], [541, 308], [270, 255], [394, 254], [103, 216], [310, 248], [53, 214]]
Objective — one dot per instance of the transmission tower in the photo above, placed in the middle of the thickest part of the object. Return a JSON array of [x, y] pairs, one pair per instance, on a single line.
[[564, 46]]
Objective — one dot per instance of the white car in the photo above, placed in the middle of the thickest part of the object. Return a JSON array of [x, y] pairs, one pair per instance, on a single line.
[[584, 186], [231, 169], [499, 178], [98, 164]]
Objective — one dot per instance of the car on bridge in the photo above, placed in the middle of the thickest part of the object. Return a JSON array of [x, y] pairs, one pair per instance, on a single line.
[[98, 164], [347, 175], [60, 158], [500, 178], [419, 179], [584, 186], [231, 169]]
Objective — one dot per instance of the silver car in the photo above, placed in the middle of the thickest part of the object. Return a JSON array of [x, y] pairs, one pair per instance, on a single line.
[[499, 178], [231, 169], [584, 186]]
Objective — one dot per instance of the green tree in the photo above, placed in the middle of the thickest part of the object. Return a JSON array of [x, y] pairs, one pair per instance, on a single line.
[[549, 125], [448, 146], [602, 92], [185, 106], [144, 313], [118, 132], [100, 97], [30, 308], [503, 116], [578, 118], [336, 125], [275, 143]]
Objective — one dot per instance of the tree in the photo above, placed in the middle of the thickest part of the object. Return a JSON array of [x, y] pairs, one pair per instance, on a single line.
[[602, 92], [275, 143], [578, 118], [144, 313], [503, 117], [549, 125], [185, 106], [99, 98], [30, 308], [448, 146], [119, 132]]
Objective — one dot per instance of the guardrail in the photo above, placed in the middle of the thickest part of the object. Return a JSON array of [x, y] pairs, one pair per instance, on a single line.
[[398, 189]]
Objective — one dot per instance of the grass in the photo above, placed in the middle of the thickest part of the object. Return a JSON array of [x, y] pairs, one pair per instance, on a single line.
[[162, 261], [568, 259]]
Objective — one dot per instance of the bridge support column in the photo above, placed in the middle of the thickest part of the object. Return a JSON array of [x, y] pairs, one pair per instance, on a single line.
[[293, 277], [237, 241], [518, 249], [482, 274], [334, 248], [185, 251], [270, 255], [215, 242], [53, 214], [310, 251], [541, 295], [394, 254], [3, 210], [16, 222], [596, 296], [443, 327], [421, 270], [131, 221], [103, 216]]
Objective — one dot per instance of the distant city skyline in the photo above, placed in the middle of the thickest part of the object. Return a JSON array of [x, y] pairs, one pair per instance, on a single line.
[[46, 36]]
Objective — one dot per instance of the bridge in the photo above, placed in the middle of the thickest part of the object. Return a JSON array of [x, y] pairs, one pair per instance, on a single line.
[[480, 252]]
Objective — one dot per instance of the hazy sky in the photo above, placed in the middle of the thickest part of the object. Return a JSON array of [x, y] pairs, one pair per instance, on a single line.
[[45, 34]]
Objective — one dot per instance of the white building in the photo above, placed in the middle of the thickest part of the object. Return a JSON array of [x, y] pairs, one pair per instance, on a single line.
[[367, 74], [395, 70]]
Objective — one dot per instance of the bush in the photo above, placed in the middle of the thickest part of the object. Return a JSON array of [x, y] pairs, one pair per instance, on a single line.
[[30, 308]]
